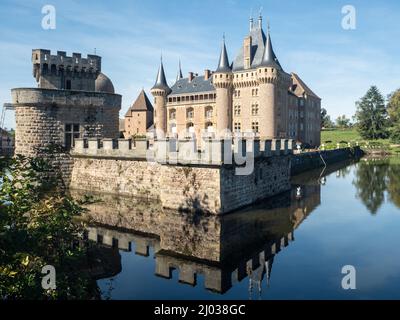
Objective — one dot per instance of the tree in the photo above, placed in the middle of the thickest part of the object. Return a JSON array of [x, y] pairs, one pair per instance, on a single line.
[[343, 122], [37, 228], [326, 121], [393, 109], [371, 115]]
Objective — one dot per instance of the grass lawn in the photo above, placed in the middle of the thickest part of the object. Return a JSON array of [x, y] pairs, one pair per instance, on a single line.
[[336, 136], [351, 135]]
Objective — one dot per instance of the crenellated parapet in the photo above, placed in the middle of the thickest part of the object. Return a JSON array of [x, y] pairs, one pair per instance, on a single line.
[[223, 80], [184, 151], [43, 61]]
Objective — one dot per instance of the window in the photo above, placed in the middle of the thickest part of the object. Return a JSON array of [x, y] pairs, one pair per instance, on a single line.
[[254, 126], [237, 126], [237, 110], [254, 92], [209, 127], [53, 69], [45, 68], [189, 113], [71, 132], [190, 127], [237, 93], [209, 112], [254, 109], [172, 114], [68, 85], [173, 128]]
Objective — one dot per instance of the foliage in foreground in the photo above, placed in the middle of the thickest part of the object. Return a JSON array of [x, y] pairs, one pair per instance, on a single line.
[[37, 228]]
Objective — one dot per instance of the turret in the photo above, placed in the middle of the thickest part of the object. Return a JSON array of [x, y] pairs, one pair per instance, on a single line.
[[160, 91], [222, 81], [271, 80]]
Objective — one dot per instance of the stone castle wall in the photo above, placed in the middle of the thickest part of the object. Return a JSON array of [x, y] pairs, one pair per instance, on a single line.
[[182, 180], [42, 113]]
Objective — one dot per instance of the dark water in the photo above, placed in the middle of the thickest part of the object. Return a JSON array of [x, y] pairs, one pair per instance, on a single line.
[[291, 247]]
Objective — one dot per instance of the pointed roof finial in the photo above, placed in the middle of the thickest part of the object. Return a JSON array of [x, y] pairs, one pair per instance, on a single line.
[[161, 81], [251, 19], [260, 18], [223, 64], [179, 76]]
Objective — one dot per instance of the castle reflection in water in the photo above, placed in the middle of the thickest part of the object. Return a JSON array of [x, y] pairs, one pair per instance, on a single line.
[[223, 249]]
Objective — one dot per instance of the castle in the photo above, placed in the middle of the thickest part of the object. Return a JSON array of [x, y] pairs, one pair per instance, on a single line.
[[75, 107], [252, 95], [73, 100]]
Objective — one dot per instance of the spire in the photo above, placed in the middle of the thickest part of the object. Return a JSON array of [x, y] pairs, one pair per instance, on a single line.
[[260, 19], [161, 82], [251, 22], [269, 58], [223, 64], [179, 76]]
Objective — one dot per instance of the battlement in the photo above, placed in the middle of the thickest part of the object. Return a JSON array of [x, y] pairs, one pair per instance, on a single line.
[[75, 62], [217, 278], [65, 72], [185, 151]]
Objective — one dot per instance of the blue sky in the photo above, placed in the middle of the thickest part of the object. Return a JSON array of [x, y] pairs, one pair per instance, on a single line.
[[339, 65]]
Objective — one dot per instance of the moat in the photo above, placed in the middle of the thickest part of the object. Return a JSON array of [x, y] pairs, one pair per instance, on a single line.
[[292, 246]]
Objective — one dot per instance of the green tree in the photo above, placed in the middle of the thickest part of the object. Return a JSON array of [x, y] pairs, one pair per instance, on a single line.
[[393, 108], [371, 183], [371, 115], [326, 121], [38, 228], [343, 122]]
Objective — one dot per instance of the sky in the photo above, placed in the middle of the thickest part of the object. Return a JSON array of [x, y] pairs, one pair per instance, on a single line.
[[130, 36]]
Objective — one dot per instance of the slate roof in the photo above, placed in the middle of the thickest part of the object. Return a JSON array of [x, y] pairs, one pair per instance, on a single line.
[[259, 41], [198, 84], [269, 58], [299, 87], [223, 64], [161, 81], [257, 50], [142, 103]]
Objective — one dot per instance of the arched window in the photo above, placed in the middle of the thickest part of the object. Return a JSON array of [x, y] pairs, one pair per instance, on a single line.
[[172, 114], [190, 127], [209, 127], [208, 112], [189, 113], [173, 128], [53, 69]]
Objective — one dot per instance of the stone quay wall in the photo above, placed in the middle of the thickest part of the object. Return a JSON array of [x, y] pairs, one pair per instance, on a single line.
[[179, 176], [311, 160]]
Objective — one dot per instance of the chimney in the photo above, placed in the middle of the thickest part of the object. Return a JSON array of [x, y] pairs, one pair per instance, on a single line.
[[191, 76], [207, 74]]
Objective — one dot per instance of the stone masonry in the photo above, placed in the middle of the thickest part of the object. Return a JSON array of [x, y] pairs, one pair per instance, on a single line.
[[182, 183]]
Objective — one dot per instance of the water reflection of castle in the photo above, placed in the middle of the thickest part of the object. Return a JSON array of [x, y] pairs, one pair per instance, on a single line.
[[224, 250]]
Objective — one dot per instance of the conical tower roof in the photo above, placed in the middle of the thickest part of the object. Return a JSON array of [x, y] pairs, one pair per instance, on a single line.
[[223, 64], [161, 81], [269, 58]]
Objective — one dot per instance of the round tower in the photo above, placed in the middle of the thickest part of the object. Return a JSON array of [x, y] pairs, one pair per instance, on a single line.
[[269, 73], [222, 81], [160, 91]]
